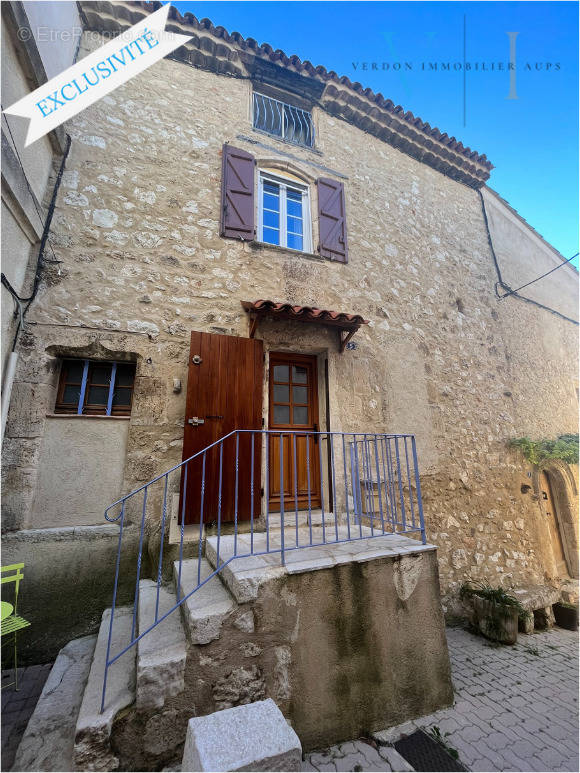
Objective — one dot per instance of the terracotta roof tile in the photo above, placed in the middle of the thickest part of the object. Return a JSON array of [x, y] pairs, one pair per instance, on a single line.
[[305, 314], [342, 97], [266, 50]]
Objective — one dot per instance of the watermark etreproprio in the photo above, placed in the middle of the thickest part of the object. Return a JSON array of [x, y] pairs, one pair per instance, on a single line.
[[50, 35]]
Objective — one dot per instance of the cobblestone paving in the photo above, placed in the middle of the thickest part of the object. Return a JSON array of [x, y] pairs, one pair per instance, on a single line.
[[516, 708], [17, 707]]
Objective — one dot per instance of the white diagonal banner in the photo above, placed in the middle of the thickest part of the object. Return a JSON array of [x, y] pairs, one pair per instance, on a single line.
[[97, 74]]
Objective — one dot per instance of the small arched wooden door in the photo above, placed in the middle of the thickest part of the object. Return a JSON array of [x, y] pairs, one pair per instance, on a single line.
[[553, 524]]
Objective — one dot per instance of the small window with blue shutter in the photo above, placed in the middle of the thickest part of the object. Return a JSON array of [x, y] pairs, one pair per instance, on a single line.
[[95, 388]]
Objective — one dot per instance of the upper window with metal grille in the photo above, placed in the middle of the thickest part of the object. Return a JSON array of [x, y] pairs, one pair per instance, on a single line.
[[282, 120]]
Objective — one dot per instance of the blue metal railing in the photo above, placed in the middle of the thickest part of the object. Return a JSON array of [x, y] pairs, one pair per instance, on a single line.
[[319, 488]]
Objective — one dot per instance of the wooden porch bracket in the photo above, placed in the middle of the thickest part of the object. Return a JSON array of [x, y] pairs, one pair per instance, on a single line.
[[344, 340], [253, 324]]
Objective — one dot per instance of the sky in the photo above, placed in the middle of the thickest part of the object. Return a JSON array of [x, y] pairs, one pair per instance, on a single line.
[[532, 139]]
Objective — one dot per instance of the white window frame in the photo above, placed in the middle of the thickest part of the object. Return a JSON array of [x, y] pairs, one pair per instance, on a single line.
[[284, 184]]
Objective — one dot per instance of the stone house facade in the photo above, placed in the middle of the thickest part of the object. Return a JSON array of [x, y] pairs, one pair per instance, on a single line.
[[139, 231]]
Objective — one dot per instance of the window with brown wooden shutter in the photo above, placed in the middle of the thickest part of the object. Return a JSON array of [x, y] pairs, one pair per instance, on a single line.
[[332, 220], [237, 216]]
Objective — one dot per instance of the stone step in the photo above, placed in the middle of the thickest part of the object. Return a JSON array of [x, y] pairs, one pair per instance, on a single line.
[[92, 748], [161, 653], [48, 741], [206, 609], [244, 576], [303, 518]]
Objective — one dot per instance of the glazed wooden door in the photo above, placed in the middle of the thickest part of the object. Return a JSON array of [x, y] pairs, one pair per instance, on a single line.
[[294, 406], [224, 393], [555, 536]]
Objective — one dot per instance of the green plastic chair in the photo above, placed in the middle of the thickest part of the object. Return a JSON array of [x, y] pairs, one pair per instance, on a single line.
[[11, 622]]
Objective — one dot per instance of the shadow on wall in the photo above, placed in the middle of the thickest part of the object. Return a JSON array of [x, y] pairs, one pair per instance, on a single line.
[[68, 582]]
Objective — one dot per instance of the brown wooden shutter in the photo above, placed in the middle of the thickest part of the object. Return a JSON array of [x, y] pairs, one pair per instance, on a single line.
[[332, 220], [237, 220], [224, 393]]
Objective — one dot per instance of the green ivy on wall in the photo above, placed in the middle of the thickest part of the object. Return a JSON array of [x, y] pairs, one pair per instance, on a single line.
[[564, 448]]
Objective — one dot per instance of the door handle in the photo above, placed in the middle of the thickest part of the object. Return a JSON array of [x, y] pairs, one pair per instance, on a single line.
[[315, 436], [195, 421]]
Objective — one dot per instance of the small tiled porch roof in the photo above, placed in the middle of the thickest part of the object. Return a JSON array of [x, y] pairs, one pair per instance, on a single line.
[[349, 323]]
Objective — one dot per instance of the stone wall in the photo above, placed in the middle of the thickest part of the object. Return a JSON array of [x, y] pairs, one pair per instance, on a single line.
[[343, 651], [28, 60], [137, 228]]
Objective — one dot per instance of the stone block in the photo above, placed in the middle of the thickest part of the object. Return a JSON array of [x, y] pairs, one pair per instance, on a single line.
[[161, 653], [92, 748], [251, 737], [48, 741], [544, 618], [207, 607]]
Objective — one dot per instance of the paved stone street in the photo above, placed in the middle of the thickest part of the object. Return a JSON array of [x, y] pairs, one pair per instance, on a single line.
[[17, 707], [516, 709]]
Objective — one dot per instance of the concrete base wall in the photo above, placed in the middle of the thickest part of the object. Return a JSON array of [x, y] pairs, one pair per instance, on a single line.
[[370, 649], [343, 651], [68, 582]]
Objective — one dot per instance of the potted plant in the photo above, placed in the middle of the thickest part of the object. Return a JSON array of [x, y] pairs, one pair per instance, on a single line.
[[496, 611], [566, 615]]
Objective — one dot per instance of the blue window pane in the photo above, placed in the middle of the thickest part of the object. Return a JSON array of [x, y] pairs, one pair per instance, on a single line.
[[271, 236], [271, 202], [294, 225], [271, 219], [293, 195], [272, 188], [294, 207], [294, 242]]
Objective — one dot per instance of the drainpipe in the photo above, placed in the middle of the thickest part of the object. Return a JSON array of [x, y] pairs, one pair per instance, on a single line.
[[7, 390], [13, 357]]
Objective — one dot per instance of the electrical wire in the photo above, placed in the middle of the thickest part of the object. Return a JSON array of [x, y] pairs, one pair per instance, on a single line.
[[32, 194], [540, 277], [504, 285], [44, 239]]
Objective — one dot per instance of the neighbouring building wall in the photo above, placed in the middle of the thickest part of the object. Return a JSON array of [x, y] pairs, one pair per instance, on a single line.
[[28, 60], [137, 228], [57, 29]]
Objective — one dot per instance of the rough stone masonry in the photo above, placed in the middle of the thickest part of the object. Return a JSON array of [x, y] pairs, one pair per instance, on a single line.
[[136, 227]]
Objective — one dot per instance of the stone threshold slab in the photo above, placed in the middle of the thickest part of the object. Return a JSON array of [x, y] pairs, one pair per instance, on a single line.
[[243, 576]]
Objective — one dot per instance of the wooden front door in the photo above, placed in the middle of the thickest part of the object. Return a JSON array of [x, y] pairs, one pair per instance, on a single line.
[[294, 406], [224, 393], [553, 525]]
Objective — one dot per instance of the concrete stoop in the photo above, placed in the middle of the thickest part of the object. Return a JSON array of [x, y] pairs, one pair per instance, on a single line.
[[259, 630]]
